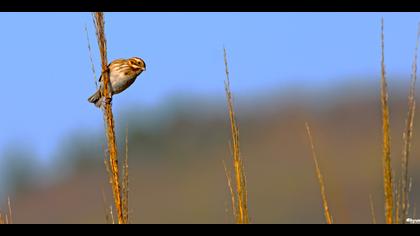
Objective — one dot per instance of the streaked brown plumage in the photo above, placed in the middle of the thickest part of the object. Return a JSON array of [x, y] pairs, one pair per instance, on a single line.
[[122, 74]]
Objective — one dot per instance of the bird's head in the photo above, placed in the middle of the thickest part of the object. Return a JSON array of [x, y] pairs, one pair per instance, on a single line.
[[137, 63]]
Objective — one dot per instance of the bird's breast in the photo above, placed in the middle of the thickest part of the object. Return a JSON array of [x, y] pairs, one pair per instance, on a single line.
[[121, 81]]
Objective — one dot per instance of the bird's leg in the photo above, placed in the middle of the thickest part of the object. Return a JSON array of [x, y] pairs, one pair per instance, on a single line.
[[108, 100], [106, 70]]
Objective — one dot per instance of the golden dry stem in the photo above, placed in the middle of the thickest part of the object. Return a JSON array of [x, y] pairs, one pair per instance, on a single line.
[[7, 218], [328, 217], [387, 171], [232, 194], [372, 210], [109, 118], [241, 198], [407, 137], [397, 195], [125, 189], [109, 217]]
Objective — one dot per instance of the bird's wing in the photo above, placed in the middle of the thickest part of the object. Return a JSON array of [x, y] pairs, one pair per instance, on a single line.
[[109, 66]]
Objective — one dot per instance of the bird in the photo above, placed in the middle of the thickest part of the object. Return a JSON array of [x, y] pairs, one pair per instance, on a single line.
[[122, 74]]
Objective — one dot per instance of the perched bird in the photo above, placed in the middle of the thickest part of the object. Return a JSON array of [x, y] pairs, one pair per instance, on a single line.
[[122, 74]]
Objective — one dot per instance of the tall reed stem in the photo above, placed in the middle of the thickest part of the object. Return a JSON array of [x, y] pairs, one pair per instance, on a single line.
[[327, 213], [241, 192], [407, 137], [387, 171], [109, 118]]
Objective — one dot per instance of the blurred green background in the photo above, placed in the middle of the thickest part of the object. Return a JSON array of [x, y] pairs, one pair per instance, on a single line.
[[176, 170]]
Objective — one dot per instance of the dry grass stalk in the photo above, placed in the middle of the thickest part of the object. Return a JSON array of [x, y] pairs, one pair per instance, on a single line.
[[242, 216], [328, 217], [387, 171], [372, 209], [10, 210], [109, 217], [92, 65], [109, 118], [232, 194], [407, 137], [125, 189], [7, 218], [397, 195]]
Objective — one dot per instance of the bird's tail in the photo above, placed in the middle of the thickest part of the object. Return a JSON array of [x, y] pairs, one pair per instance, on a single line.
[[96, 98]]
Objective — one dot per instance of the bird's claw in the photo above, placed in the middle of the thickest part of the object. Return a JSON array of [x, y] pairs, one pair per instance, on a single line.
[[106, 70], [108, 100]]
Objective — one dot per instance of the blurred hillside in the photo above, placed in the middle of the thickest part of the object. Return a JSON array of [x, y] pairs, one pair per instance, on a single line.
[[176, 153]]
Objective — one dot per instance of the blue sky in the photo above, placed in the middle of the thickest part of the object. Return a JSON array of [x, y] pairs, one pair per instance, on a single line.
[[46, 75]]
